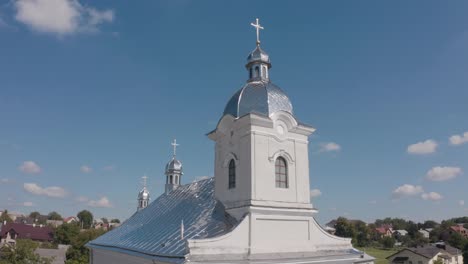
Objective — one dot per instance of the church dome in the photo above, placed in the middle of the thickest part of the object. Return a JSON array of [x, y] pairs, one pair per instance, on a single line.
[[258, 55], [261, 97], [143, 194], [173, 165]]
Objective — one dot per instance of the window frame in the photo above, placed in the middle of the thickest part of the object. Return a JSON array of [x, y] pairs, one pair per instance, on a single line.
[[281, 173], [232, 174]]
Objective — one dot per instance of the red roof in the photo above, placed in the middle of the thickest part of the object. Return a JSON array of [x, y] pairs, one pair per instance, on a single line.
[[44, 233], [458, 228], [68, 219], [382, 230]]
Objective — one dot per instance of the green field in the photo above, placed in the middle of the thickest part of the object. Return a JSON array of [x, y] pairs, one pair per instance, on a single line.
[[379, 254]]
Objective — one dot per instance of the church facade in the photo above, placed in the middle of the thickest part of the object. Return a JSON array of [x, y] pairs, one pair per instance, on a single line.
[[256, 209]]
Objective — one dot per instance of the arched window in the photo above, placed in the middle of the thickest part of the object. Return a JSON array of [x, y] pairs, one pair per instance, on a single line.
[[257, 71], [171, 180], [232, 174], [251, 73], [281, 173]]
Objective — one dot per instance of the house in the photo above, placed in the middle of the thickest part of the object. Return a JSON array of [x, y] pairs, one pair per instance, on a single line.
[[54, 223], [460, 229], [12, 231], [70, 219], [427, 255], [384, 231], [424, 233]]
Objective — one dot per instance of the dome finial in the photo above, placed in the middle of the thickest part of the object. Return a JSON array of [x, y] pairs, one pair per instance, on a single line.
[[257, 26]]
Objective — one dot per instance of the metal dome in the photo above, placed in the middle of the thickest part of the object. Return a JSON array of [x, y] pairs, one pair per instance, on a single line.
[[258, 55], [261, 97], [174, 165], [143, 194]]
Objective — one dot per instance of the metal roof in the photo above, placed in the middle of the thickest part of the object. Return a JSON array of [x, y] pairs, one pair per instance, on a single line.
[[156, 230], [261, 97]]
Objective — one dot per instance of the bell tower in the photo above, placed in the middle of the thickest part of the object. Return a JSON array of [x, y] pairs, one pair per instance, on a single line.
[[173, 171]]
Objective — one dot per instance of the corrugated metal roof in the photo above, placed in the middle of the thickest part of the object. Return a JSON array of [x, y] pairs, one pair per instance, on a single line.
[[156, 230]]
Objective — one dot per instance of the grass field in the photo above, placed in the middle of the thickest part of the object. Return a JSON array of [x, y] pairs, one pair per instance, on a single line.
[[379, 254]]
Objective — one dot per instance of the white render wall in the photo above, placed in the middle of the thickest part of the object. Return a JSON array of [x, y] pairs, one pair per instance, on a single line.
[[254, 142]]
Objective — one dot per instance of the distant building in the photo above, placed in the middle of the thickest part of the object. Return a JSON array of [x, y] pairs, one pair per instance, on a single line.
[[70, 219], [424, 233], [384, 231], [427, 255], [54, 223], [460, 230], [12, 231], [41, 219]]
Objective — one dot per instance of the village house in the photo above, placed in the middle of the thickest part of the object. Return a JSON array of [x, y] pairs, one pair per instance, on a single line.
[[12, 231], [460, 229], [427, 254]]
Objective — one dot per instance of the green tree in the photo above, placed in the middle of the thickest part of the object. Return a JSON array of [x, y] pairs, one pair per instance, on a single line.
[[115, 221], [78, 253], [344, 228], [34, 215], [65, 233], [86, 218], [5, 217], [456, 240], [362, 234], [54, 216], [387, 242], [430, 224], [21, 253]]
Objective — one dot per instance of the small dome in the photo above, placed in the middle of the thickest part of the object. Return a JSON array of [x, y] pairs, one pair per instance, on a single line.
[[174, 165], [258, 55], [261, 97], [144, 194]]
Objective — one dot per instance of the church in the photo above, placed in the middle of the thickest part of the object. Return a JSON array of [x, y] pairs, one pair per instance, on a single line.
[[256, 209]]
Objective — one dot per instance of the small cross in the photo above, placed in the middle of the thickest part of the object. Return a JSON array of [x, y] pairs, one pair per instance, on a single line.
[[144, 180], [174, 144], [257, 27]]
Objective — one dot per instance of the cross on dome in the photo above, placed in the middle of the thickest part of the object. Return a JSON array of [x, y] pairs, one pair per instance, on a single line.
[[174, 145], [144, 180], [257, 26]]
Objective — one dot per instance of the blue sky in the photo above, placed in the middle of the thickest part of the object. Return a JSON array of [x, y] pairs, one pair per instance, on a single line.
[[91, 99]]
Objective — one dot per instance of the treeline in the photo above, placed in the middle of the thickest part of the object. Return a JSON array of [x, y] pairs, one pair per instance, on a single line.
[[367, 235]]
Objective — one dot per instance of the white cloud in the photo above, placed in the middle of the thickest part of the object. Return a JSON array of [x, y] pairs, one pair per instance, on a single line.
[[461, 202], [82, 199], [52, 191], [60, 17], [432, 196], [407, 190], [425, 147], [28, 204], [330, 146], [86, 169], [29, 167], [109, 168], [103, 202], [315, 193], [459, 139], [443, 173]]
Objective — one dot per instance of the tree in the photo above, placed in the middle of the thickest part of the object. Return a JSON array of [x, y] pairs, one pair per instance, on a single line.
[[86, 218], [34, 215], [430, 224], [5, 217], [362, 234], [387, 242], [456, 240], [344, 228], [54, 216], [65, 233], [105, 220], [115, 221], [78, 253], [22, 252]]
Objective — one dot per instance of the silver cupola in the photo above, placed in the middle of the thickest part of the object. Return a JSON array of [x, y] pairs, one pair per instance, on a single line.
[[259, 95], [143, 196], [173, 171]]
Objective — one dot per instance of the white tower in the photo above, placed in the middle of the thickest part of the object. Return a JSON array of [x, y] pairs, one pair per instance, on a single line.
[[173, 171], [143, 196], [261, 152]]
